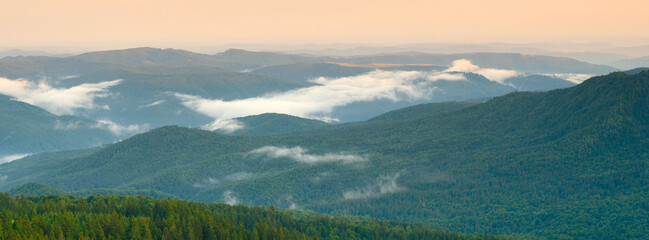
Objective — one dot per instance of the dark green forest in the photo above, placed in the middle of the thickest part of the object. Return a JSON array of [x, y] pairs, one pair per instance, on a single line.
[[110, 217]]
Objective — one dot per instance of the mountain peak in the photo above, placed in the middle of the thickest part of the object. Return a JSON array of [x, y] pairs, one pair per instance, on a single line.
[[234, 51], [145, 56]]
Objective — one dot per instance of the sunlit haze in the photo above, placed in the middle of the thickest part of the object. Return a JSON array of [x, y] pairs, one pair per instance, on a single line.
[[192, 23]]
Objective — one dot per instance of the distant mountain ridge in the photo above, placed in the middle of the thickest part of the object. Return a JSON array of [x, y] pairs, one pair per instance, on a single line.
[[150, 57], [513, 61], [238, 60]]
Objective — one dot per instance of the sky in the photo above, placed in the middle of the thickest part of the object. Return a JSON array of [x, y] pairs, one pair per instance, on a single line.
[[131, 23]]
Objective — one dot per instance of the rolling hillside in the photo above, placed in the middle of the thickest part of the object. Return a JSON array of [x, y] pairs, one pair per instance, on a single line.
[[28, 129], [150, 79], [274, 124], [525, 163], [537, 83]]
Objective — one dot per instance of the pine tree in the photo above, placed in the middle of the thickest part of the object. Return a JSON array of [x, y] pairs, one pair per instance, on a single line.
[[135, 232]]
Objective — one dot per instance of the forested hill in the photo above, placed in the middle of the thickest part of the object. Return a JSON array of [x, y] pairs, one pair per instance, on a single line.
[[274, 123], [569, 163], [60, 217], [603, 110], [419, 111], [26, 129], [146, 88]]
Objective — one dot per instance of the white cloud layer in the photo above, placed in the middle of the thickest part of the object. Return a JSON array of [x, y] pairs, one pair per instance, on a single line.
[[229, 198], [286, 201], [156, 103], [299, 154], [319, 100], [68, 125], [383, 185], [239, 176], [446, 76], [573, 77], [13, 157], [206, 183], [225, 125], [120, 130], [493, 74], [234, 177], [114, 128], [56, 100], [323, 176], [69, 77]]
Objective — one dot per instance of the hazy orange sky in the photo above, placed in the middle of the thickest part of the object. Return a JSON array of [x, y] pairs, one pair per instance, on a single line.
[[125, 23]]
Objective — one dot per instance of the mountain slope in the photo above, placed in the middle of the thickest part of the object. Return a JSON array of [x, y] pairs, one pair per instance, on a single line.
[[145, 95], [25, 128], [420, 110], [34, 189], [149, 57], [37, 67], [242, 60], [474, 86], [37, 189], [151, 78], [631, 63], [637, 70], [537, 83], [524, 163], [274, 123]]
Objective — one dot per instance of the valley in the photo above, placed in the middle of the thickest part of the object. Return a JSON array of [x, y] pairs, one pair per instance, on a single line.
[[525, 163]]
